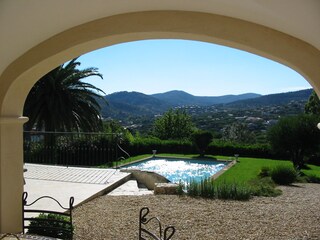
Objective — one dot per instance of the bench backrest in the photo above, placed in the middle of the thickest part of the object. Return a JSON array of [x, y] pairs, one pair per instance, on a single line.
[[52, 223]]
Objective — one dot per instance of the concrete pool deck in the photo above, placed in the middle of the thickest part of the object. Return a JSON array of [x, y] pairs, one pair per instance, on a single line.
[[62, 183], [83, 184]]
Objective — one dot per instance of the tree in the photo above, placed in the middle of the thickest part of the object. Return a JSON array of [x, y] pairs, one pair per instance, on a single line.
[[313, 104], [114, 127], [60, 101], [239, 133], [201, 140], [173, 125], [296, 135]]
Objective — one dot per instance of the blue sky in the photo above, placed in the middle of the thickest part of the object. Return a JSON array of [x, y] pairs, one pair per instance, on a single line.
[[201, 69]]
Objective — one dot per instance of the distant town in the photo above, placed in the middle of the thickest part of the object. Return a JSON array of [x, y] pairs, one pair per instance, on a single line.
[[257, 113]]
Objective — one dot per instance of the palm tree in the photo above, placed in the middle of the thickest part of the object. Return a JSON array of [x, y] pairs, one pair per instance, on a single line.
[[60, 101]]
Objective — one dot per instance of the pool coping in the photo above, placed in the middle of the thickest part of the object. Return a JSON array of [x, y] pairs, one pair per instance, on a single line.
[[223, 170]]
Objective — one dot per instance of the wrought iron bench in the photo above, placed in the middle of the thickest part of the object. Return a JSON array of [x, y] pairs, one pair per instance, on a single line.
[[143, 221], [48, 226]]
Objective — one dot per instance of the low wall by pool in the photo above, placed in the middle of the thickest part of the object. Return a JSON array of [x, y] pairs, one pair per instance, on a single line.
[[147, 178]]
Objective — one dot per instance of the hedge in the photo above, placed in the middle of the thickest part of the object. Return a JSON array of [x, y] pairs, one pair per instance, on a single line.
[[146, 145]]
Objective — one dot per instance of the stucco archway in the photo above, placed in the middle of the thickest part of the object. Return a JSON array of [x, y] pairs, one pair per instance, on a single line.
[[20, 75]]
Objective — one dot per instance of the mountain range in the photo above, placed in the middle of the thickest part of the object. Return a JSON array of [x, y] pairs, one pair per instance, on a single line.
[[273, 99], [179, 98], [127, 104]]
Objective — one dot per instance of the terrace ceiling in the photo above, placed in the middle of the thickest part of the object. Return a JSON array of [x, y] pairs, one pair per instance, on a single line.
[[24, 24]]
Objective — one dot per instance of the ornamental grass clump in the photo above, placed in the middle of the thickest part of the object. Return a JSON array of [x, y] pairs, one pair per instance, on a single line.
[[284, 175], [207, 188], [193, 188], [233, 191]]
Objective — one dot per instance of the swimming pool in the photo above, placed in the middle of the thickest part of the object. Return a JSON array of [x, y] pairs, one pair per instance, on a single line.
[[177, 170]]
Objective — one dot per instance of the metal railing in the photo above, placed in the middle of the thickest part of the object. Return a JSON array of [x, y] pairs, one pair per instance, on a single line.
[[52, 224], [144, 233], [71, 148]]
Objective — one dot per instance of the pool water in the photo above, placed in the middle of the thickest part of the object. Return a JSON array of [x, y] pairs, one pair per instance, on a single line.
[[177, 170]]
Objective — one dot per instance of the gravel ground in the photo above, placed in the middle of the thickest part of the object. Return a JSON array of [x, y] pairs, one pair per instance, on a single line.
[[293, 215]]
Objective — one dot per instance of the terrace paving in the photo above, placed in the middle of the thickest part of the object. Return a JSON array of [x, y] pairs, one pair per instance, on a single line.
[[70, 174], [63, 182]]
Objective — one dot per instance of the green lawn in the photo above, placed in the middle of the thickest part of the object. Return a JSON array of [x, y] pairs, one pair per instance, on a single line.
[[313, 170], [249, 168]]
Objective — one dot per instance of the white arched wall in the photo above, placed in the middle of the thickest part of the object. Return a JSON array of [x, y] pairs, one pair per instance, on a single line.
[[20, 75]]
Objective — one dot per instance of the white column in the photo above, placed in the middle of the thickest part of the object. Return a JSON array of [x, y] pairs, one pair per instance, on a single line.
[[11, 173]]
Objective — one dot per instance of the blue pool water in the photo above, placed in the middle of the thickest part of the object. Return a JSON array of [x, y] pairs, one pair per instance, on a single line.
[[177, 170]]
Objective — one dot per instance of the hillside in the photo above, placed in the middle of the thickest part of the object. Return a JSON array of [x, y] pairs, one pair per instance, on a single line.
[[123, 105], [272, 99], [178, 98]]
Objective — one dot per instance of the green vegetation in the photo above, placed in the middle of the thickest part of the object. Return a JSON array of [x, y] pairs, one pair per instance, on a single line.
[[124, 161], [249, 177], [248, 169], [174, 124], [264, 186], [283, 175], [311, 174], [233, 191], [138, 113], [225, 148], [238, 133], [312, 178], [311, 170], [60, 101], [313, 104], [201, 139], [297, 135], [208, 188], [51, 225]]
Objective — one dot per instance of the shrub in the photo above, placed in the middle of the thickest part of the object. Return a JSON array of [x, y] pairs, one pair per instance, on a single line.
[[51, 225], [218, 147], [296, 135], [264, 187], [265, 172], [146, 145], [283, 175], [201, 139]]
